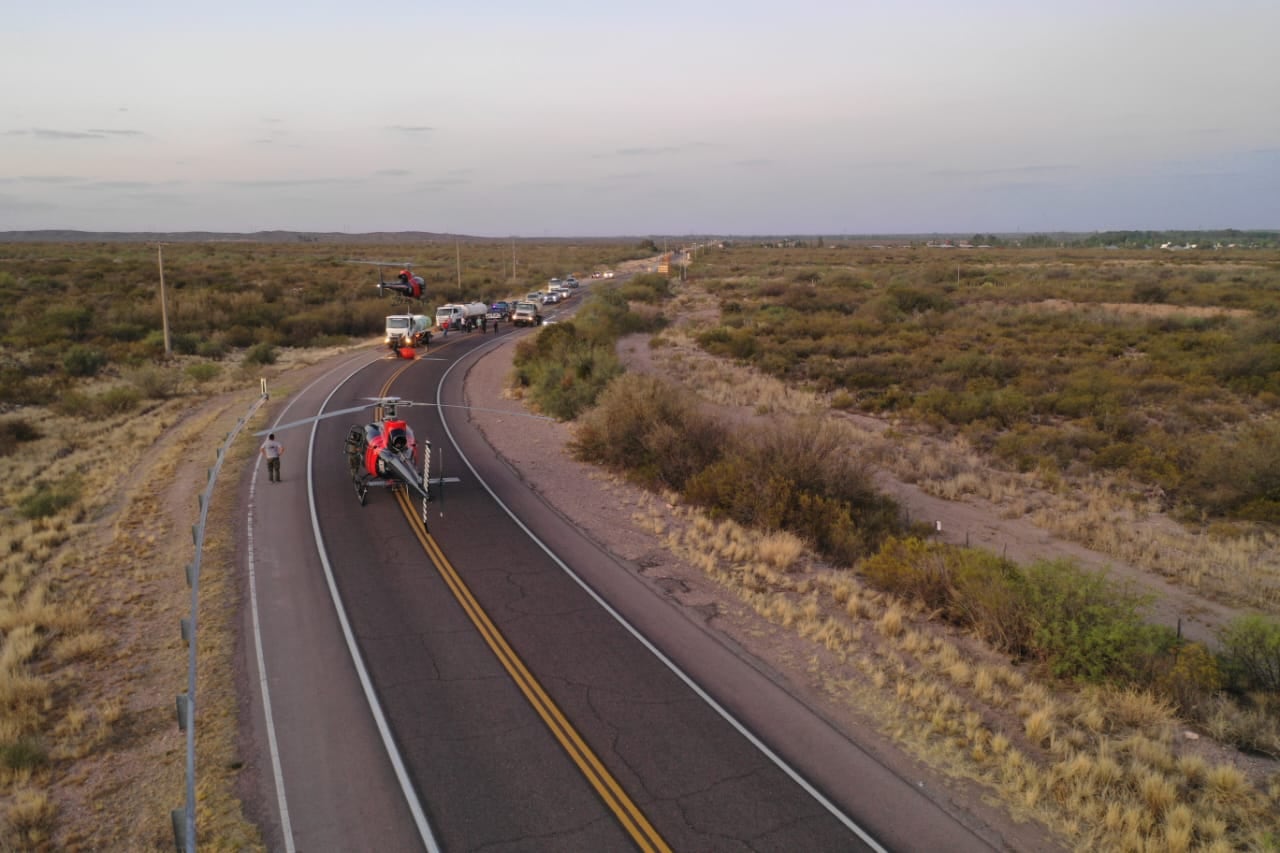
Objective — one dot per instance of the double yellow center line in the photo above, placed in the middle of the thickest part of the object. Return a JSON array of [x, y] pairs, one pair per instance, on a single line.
[[609, 789], [627, 812]]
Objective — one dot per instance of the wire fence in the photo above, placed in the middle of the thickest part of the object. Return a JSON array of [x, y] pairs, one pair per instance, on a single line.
[[184, 819]]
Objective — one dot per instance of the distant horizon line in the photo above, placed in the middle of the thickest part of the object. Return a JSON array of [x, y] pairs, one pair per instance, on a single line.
[[789, 235]]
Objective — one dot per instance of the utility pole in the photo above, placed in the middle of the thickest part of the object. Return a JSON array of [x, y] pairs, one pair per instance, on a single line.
[[164, 306], [458, 249]]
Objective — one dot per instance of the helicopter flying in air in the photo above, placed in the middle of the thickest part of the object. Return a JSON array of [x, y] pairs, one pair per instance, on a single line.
[[383, 453], [405, 284]]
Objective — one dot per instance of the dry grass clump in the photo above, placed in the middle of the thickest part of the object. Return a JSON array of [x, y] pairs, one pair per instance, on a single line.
[[1100, 766], [78, 597], [728, 384]]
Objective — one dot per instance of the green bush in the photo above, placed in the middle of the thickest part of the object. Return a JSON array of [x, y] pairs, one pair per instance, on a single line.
[[24, 754], [563, 370], [154, 382], [797, 475], [971, 588], [648, 287], [116, 400], [1084, 626], [212, 349], [1251, 652], [49, 499], [81, 360], [645, 428], [202, 371], [260, 354]]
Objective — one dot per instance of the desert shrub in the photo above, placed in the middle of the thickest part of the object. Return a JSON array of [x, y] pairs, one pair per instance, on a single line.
[[563, 370], [913, 301], [913, 569], [114, 401], [124, 331], [185, 343], [798, 475], [211, 348], [240, 336], [649, 287], [15, 431], [69, 321], [1150, 292], [80, 360], [608, 316], [152, 344], [1239, 473], [1191, 679], [969, 587], [727, 341], [647, 429], [1251, 652], [48, 499], [24, 753], [1250, 723], [260, 354], [1084, 626], [202, 371], [154, 382]]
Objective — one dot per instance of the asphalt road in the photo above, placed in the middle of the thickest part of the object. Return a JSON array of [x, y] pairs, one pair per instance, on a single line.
[[599, 741]]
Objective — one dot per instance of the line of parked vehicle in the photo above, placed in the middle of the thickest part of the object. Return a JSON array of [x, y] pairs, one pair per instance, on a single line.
[[415, 330]]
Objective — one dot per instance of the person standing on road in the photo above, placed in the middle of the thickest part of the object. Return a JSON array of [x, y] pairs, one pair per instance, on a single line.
[[271, 451]]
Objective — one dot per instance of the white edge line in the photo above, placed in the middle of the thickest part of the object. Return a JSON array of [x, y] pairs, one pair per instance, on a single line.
[[273, 746], [276, 771], [424, 829], [670, 664], [380, 720]]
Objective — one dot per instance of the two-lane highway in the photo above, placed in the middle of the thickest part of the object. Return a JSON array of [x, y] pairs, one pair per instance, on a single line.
[[527, 691]]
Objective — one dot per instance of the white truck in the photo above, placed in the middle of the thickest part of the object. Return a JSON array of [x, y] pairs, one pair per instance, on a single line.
[[527, 314], [460, 316], [407, 330]]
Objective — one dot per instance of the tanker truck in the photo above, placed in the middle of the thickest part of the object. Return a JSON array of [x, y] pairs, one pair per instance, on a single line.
[[460, 316]]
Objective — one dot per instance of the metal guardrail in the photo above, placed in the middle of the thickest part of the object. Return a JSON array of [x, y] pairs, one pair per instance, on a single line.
[[184, 819]]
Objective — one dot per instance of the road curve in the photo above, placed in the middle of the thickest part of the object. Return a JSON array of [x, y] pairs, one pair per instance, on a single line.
[[744, 766]]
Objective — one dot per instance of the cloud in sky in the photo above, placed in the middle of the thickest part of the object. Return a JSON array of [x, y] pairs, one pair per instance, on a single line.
[[559, 120]]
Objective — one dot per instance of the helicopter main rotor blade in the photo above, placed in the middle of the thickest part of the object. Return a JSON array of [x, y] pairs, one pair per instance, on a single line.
[[310, 420]]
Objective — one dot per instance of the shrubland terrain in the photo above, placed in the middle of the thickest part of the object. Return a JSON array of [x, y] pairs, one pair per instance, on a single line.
[[1090, 390]]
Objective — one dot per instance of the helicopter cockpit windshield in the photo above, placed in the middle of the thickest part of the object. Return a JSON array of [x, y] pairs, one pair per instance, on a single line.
[[398, 438]]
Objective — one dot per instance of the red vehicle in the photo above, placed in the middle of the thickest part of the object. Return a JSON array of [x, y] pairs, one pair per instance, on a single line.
[[384, 453], [405, 283]]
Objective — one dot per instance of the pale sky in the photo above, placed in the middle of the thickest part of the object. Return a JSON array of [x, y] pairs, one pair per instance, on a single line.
[[573, 118]]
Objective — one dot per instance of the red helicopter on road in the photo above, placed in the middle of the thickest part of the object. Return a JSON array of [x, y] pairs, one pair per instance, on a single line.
[[405, 283], [383, 453]]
